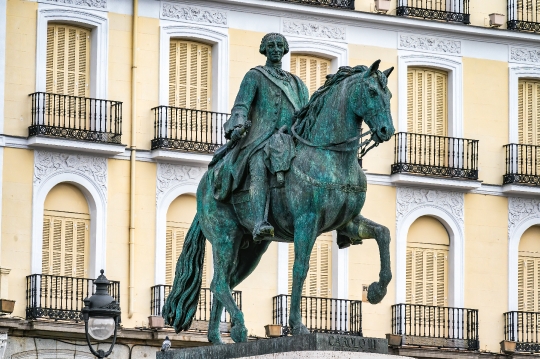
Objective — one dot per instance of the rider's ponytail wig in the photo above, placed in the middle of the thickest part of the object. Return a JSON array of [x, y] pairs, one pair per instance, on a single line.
[[270, 36]]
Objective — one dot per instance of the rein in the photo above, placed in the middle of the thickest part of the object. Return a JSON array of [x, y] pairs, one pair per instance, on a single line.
[[338, 147], [332, 146]]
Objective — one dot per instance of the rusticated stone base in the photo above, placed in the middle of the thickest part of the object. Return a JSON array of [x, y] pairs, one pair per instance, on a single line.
[[316, 345]]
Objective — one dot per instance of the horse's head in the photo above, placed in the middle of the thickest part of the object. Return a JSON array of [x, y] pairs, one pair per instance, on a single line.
[[371, 102]]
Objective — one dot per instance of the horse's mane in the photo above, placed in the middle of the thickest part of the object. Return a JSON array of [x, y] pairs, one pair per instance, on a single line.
[[305, 117]]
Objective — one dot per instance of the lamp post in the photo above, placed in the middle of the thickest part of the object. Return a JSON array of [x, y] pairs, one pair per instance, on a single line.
[[101, 313]]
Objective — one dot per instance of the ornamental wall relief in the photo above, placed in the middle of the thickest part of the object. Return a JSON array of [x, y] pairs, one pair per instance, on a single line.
[[183, 12], [521, 210], [527, 55], [170, 176], [313, 29], [92, 4], [410, 199], [430, 44], [48, 164]]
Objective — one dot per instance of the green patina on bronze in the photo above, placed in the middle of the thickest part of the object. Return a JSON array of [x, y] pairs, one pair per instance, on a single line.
[[288, 173]]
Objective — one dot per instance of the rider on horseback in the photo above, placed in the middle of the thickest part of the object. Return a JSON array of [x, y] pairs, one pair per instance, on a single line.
[[264, 108]]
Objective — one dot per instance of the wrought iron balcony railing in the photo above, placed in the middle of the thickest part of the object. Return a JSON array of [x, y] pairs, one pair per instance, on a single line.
[[435, 156], [322, 315], [342, 4], [77, 118], [188, 130], [443, 327], [524, 15], [159, 294], [522, 164], [60, 298], [444, 10], [524, 329]]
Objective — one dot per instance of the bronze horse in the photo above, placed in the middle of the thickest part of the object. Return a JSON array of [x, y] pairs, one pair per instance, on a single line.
[[324, 190]]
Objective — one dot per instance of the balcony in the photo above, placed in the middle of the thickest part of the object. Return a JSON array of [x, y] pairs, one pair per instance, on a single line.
[[435, 157], [522, 164], [321, 315], [341, 4], [524, 329], [442, 327], [159, 294], [95, 125], [186, 130], [443, 10], [523, 15], [60, 298]]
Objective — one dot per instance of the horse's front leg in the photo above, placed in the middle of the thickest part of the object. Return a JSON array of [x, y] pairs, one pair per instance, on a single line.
[[362, 228], [305, 234]]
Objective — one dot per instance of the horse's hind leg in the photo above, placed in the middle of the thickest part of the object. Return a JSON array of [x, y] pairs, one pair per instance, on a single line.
[[248, 259], [225, 250], [362, 228]]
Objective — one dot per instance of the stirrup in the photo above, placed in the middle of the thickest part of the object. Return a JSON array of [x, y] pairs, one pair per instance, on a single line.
[[262, 229]]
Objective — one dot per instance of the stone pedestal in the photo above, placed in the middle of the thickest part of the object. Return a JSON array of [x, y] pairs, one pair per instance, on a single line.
[[316, 345]]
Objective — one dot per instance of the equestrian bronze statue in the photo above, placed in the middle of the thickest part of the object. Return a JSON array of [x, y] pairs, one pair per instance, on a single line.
[[288, 173]]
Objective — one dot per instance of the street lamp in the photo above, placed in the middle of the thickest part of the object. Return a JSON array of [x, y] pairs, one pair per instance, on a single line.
[[101, 313]]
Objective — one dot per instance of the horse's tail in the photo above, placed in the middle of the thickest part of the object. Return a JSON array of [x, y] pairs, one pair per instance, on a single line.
[[181, 304]]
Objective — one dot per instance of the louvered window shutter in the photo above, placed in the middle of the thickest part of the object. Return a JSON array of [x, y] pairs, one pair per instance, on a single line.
[[426, 276], [68, 60], [318, 279], [427, 101], [190, 66], [65, 246], [528, 284], [529, 112], [174, 243], [312, 70]]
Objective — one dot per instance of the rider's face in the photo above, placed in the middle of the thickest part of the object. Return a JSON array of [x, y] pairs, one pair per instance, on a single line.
[[275, 49]]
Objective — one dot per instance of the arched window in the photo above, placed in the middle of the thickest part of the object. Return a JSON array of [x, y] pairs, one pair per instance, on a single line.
[[529, 270], [179, 217], [190, 77], [66, 228], [318, 281], [427, 101], [68, 60], [312, 70], [427, 263]]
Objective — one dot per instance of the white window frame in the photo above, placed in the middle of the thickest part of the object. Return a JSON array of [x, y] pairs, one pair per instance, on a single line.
[[97, 205], [218, 38], [515, 73], [453, 66], [99, 47], [456, 253], [337, 53]]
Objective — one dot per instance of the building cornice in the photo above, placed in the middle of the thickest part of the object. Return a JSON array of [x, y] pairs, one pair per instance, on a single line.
[[374, 20]]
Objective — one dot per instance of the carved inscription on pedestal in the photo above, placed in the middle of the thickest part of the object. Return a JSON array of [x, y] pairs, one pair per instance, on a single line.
[[352, 343]]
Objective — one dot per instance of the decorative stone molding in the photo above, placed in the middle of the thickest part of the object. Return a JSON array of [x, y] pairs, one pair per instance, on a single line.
[[409, 199], [47, 164], [521, 210], [429, 43], [169, 175], [528, 55], [313, 29], [93, 4], [183, 12]]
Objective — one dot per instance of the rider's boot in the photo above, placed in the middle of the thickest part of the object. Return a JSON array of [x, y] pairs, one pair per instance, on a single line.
[[257, 190]]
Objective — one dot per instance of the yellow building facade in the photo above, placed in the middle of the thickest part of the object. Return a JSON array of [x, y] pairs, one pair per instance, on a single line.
[[109, 120]]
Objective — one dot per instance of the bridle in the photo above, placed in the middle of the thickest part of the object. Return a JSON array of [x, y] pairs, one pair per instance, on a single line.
[[342, 146]]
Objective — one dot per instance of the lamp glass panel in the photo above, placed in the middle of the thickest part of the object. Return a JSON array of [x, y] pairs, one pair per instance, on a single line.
[[100, 328]]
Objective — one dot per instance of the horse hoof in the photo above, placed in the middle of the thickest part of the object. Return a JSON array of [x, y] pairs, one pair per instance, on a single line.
[[376, 293], [215, 339], [300, 330], [239, 333]]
